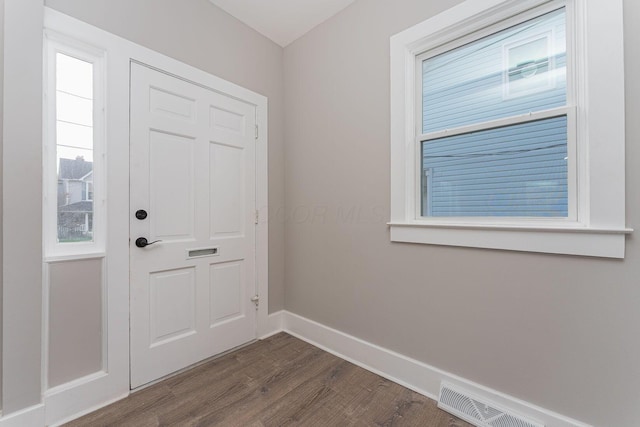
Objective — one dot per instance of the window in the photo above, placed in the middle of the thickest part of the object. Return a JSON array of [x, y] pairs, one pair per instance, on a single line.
[[87, 194], [74, 117], [517, 169], [498, 109]]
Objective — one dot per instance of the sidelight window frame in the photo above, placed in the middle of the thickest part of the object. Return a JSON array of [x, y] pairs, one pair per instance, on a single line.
[[54, 44]]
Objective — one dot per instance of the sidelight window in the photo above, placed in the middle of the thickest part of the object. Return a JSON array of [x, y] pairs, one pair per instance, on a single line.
[[74, 116]]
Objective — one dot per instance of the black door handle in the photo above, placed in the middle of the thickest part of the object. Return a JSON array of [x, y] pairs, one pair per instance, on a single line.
[[141, 242]]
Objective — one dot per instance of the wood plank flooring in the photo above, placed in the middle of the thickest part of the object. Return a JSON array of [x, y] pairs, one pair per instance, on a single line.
[[279, 381]]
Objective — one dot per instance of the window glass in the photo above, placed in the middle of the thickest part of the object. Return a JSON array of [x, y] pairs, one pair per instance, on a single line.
[[74, 76], [515, 71], [517, 170], [74, 148], [512, 171]]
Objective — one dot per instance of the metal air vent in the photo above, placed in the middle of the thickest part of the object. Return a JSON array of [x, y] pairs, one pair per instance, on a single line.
[[478, 411]]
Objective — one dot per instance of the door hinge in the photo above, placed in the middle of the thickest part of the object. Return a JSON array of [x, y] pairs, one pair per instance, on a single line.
[[256, 300], [256, 131], [257, 219]]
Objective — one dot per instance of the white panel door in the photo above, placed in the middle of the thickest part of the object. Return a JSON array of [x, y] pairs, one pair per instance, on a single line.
[[193, 173]]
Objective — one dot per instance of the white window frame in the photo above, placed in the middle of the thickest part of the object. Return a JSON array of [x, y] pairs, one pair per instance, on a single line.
[[596, 222], [55, 43], [87, 192]]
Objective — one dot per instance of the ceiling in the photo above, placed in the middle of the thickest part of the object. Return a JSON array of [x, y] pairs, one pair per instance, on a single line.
[[283, 21]]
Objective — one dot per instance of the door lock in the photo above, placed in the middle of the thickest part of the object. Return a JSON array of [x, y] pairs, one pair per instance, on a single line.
[[141, 214], [141, 242]]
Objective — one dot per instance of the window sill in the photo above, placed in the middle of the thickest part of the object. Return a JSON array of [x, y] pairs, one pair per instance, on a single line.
[[74, 256], [568, 240]]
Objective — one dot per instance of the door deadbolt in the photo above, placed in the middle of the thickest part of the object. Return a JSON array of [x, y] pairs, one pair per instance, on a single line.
[[141, 214]]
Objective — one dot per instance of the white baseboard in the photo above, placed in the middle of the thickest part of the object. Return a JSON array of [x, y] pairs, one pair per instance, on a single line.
[[31, 416], [274, 326], [87, 411], [410, 373], [83, 395]]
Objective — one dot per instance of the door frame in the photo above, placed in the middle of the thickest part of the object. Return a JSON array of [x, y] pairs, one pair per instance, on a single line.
[[95, 390]]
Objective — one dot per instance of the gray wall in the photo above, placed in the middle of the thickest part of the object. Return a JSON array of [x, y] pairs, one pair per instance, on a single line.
[[75, 320], [22, 216], [557, 331], [1, 118], [200, 34]]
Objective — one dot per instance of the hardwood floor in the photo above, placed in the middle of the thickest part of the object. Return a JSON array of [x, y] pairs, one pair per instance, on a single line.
[[280, 381]]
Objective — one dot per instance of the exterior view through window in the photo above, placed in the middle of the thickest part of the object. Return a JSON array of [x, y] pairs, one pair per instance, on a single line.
[[481, 155], [74, 148]]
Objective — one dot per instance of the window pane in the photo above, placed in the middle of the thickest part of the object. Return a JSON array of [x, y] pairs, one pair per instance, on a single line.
[[73, 109], [518, 70], [75, 195], [74, 76], [513, 171], [73, 135], [74, 151]]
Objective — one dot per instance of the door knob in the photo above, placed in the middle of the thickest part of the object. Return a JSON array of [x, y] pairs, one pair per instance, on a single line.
[[141, 242]]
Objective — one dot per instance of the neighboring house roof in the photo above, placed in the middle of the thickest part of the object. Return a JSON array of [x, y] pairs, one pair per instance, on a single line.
[[83, 206], [88, 177], [76, 168]]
